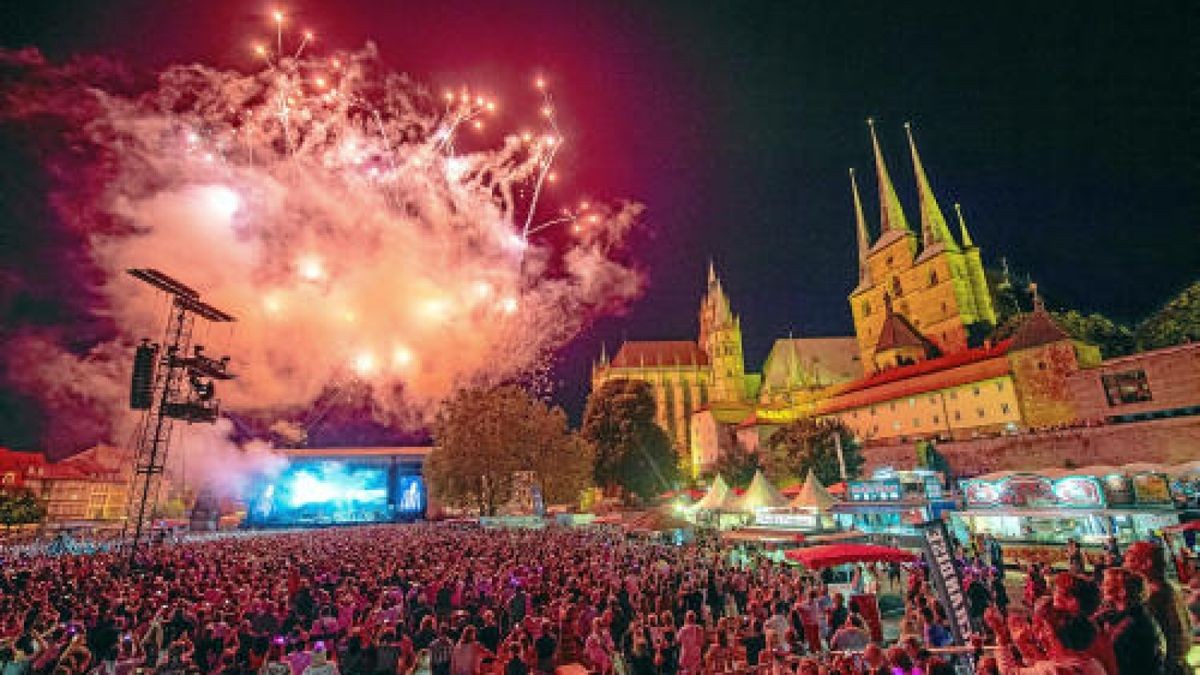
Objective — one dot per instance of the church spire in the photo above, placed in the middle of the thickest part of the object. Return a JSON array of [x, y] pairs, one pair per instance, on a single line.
[[891, 215], [933, 223], [967, 242], [864, 239]]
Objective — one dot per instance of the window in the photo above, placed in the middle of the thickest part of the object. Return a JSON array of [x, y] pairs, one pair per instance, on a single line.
[[872, 411], [916, 422], [1004, 408], [953, 395], [892, 406], [866, 308], [933, 281], [896, 290], [957, 416], [912, 402], [932, 400], [980, 412], [896, 425], [1041, 365], [1130, 386], [976, 391], [937, 420]]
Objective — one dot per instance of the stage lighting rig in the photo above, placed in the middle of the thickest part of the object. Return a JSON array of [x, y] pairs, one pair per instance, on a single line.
[[172, 380]]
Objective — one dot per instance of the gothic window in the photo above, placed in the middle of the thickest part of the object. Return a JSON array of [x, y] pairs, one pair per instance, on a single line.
[[933, 279], [1004, 408], [957, 416], [866, 308], [896, 290], [980, 412]]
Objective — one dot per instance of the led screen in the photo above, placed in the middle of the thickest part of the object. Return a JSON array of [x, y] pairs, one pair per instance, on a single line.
[[324, 492]]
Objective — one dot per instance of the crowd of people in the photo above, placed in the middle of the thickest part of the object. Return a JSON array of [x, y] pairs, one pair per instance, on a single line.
[[460, 600]]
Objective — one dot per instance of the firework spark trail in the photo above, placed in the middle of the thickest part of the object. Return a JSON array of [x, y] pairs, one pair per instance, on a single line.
[[324, 201]]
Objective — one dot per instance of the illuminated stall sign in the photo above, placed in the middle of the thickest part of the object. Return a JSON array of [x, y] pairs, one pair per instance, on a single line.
[[799, 521], [1118, 489], [1151, 488], [1029, 490], [875, 491]]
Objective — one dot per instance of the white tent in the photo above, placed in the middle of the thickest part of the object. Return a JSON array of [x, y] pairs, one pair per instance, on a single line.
[[718, 498], [812, 496], [761, 495]]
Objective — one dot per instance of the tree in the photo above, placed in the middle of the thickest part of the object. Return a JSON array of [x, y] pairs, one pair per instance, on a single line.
[[20, 508], [928, 457], [1113, 338], [1174, 323], [738, 465], [809, 444], [483, 436], [632, 451]]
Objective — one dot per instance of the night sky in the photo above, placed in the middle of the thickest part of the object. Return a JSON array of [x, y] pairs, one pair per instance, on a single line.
[[1067, 130]]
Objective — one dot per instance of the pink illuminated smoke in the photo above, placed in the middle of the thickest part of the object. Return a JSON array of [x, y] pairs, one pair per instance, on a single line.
[[329, 205]]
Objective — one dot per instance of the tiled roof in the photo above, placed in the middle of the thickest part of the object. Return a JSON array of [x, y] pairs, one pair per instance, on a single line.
[[815, 361], [897, 332], [945, 371], [658, 353], [1039, 328]]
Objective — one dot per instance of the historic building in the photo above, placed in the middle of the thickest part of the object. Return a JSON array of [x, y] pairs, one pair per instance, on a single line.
[[688, 375], [935, 284], [88, 488], [923, 362]]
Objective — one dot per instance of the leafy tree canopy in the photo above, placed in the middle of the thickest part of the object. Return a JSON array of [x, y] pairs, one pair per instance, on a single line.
[[484, 436], [809, 444], [20, 507], [738, 465], [632, 451], [1174, 323]]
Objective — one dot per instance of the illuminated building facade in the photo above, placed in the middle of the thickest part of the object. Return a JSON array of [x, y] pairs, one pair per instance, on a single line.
[[88, 488], [922, 364]]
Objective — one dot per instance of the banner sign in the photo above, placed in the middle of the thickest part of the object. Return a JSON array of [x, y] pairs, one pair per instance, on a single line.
[[944, 575]]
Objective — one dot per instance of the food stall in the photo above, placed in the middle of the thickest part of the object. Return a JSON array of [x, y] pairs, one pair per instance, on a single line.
[[894, 502], [1033, 514]]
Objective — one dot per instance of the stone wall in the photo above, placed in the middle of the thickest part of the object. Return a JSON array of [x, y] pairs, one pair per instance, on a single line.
[[1167, 441]]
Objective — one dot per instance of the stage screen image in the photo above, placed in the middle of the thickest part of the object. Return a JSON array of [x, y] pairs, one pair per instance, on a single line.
[[325, 492], [410, 496]]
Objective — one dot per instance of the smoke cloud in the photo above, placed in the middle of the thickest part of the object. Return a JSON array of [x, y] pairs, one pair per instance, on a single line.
[[330, 206]]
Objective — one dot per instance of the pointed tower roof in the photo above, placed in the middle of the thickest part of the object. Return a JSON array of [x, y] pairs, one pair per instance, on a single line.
[[898, 332], [935, 235], [603, 353], [963, 234], [1038, 328], [892, 223], [712, 273], [761, 495], [813, 495], [864, 238]]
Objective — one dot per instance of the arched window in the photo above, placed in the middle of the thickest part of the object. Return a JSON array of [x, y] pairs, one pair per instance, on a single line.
[[866, 308], [896, 290], [933, 278]]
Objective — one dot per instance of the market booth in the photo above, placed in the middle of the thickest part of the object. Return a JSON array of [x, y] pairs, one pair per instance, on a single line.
[[894, 502], [1034, 514]]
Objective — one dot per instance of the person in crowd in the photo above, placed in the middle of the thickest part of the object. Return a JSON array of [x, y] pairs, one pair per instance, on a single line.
[[1065, 637], [852, 636], [1137, 640], [1080, 596], [1163, 602]]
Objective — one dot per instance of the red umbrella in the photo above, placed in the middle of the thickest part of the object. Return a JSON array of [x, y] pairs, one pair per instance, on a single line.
[[836, 554], [1189, 526]]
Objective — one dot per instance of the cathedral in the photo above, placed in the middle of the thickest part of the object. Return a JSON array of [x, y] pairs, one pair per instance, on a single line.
[[921, 362]]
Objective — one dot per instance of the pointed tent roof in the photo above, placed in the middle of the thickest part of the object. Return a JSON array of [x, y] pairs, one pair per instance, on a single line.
[[813, 495], [761, 494], [864, 238], [892, 223], [897, 332], [935, 235], [718, 498]]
